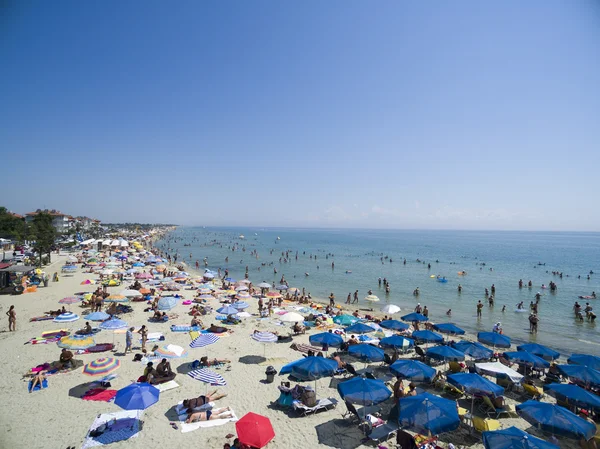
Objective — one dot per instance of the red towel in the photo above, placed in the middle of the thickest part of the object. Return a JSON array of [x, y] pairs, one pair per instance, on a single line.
[[99, 394]]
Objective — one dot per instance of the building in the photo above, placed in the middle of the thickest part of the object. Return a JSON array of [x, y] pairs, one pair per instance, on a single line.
[[62, 222]]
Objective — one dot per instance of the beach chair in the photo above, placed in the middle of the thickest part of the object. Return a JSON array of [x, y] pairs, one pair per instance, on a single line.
[[384, 432], [453, 391], [353, 414], [322, 404], [491, 410], [485, 424], [419, 351], [533, 391], [455, 367]]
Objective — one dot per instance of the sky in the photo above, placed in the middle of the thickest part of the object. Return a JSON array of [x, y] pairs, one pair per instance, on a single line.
[[420, 115]]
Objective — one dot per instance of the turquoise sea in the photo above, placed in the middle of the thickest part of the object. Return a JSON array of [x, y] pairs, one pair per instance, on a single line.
[[510, 255]]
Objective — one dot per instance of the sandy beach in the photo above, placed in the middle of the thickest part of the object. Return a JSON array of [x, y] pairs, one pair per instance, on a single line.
[[57, 417]]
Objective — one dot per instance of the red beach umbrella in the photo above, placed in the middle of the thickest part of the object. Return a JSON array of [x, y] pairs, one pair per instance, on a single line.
[[254, 430]]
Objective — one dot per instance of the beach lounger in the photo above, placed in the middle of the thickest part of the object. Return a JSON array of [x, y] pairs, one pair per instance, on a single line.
[[305, 348], [485, 424], [353, 414], [384, 432], [323, 404], [533, 391], [453, 391], [455, 367], [491, 410]]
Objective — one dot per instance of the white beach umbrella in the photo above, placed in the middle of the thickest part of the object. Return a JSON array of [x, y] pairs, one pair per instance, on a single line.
[[390, 308], [130, 293], [292, 317]]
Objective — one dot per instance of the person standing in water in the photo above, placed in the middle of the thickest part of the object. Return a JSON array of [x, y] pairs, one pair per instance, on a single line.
[[479, 307]]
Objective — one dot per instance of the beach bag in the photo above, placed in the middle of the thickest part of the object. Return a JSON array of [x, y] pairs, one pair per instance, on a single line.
[[285, 399]]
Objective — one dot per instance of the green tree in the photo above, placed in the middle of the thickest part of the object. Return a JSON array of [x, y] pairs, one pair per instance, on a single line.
[[11, 227], [45, 234]]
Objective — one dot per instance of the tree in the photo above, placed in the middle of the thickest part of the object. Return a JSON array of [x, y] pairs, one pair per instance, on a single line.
[[11, 227], [96, 231], [44, 232]]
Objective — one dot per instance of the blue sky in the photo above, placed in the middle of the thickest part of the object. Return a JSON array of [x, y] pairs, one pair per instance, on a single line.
[[457, 115]]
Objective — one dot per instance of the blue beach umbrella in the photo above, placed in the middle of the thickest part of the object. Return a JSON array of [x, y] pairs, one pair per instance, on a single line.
[[591, 361], [359, 328], [475, 384], [362, 391], [167, 303], [396, 341], [413, 370], [227, 310], [97, 316], [526, 359], [445, 353], [326, 338], [313, 368], [448, 328], [345, 320], [540, 350], [581, 375], [138, 396], [113, 324], [226, 279], [414, 317], [493, 339], [513, 438], [556, 419], [138, 264], [473, 349], [575, 395], [287, 369], [66, 317], [427, 337], [281, 287], [366, 353], [394, 324], [427, 413]]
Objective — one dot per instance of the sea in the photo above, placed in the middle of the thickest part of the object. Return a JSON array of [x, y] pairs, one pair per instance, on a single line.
[[340, 261]]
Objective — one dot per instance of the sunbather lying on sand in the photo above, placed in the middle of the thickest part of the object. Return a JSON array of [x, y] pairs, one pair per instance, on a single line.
[[221, 413], [191, 404], [205, 362], [37, 380]]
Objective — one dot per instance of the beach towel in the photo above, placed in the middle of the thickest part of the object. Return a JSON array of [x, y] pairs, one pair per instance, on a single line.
[[194, 334], [42, 340], [128, 425], [154, 336], [100, 347], [170, 385], [183, 328], [205, 424], [38, 386], [41, 318], [55, 333], [182, 411], [99, 394]]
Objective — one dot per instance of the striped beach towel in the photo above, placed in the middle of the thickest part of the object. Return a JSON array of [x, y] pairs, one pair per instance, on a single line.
[[181, 328]]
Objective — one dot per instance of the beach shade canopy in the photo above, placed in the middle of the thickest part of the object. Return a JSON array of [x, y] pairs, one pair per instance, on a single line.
[[227, 310], [313, 368], [76, 342], [130, 293], [264, 337], [427, 413], [66, 317], [326, 338], [499, 371], [97, 316], [475, 384], [396, 341], [359, 328], [473, 349], [413, 370], [171, 352], [102, 367], [394, 325], [254, 430], [367, 353], [556, 420], [448, 328], [513, 438], [207, 376], [427, 336], [113, 324], [540, 351], [591, 361], [576, 396], [264, 285], [281, 287], [445, 353], [363, 391], [167, 303], [414, 317], [69, 300], [204, 340], [137, 396], [581, 375], [292, 317], [390, 308], [526, 359], [241, 305], [345, 320], [493, 339]]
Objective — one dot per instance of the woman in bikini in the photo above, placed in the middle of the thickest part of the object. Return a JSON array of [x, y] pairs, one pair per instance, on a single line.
[[221, 413], [12, 319], [191, 404]]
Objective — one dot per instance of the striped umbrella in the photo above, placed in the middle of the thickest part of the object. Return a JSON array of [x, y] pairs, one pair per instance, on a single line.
[[66, 317], [241, 288], [171, 352], [227, 310], [167, 303], [101, 366], [97, 316], [113, 324], [69, 300], [241, 305], [273, 295], [76, 342], [204, 340], [116, 298], [243, 295], [264, 337], [207, 376]]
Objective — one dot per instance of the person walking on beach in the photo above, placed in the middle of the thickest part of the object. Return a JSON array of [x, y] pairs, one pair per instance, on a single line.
[[144, 333], [479, 307], [355, 297], [129, 339], [348, 298], [12, 319]]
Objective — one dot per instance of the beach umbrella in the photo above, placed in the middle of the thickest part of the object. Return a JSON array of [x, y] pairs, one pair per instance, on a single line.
[[254, 430], [243, 295], [97, 316], [390, 308], [371, 298], [429, 414], [292, 317], [245, 281], [414, 317], [493, 339], [396, 341], [326, 338], [204, 340], [359, 328], [240, 305], [394, 325], [591, 361], [427, 337], [539, 350], [66, 317], [448, 328], [208, 377], [76, 342], [137, 396], [226, 279], [101, 367], [138, 264], [556, 420], [273, 295], [117, 299], [130, 293], [106, 271], [292, 290], [581, 375], [445, 353], [113, 324], [206, 296], [413, 370], [363, 391], [513, 438], [473, 349], [69, 300], [227, 310], [143, 275], [475, 384], [367, 353], [281, 287], [241, 288], [88, 282], [171, 352], [576, 396], [264, 337], [264, 285], [526, 359], [167, 303], [314, 368], [345, 320]]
